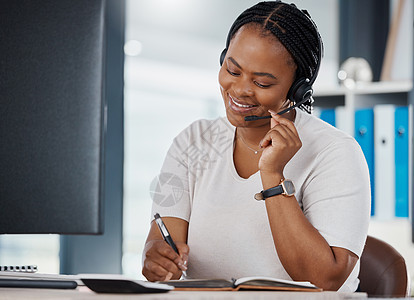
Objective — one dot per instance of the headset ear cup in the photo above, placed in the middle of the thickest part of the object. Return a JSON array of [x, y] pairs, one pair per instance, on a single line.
[[222, 56], [300, 91]]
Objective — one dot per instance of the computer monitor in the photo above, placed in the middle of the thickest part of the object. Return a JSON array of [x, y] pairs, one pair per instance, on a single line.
[[52, 116]]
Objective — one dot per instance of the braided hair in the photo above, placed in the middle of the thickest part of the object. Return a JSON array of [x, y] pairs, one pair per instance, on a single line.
[[294, 29]]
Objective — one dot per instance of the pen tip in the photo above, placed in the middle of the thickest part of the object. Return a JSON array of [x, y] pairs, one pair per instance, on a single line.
[[157, 215]]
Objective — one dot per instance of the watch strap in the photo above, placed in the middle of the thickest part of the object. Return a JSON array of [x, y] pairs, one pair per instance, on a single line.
[[274, 191]]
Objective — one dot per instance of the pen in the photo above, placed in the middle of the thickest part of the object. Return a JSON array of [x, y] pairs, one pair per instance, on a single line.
[[166, 235]]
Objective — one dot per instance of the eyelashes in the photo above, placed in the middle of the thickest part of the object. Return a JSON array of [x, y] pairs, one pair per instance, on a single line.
[[232, 73], [263, 86]]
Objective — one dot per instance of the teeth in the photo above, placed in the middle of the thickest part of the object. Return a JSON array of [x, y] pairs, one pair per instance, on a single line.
[[240, 105]]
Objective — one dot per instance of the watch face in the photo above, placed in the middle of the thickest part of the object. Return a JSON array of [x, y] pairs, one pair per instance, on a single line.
[[288, 187]]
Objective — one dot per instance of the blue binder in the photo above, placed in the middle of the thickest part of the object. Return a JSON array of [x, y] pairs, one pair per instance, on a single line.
[[364, 135], [328, 115], [401, 162]]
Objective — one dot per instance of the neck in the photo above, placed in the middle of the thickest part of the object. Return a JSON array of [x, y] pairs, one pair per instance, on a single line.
[[252, 136]]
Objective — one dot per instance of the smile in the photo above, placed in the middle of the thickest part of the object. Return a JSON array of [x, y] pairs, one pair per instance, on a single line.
[[239, 104]]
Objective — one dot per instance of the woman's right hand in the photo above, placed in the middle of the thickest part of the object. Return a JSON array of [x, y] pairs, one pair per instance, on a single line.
[[162, 263]]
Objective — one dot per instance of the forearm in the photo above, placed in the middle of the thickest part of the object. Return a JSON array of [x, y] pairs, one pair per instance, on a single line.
[[302, 250]]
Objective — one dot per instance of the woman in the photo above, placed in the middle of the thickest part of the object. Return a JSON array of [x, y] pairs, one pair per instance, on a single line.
[[318, 233]]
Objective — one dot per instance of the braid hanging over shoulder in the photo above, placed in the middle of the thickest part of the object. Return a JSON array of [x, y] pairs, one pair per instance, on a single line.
[[294, 29]]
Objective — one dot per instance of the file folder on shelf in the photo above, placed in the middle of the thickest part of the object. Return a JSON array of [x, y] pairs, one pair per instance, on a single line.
[[328, 115], [364, 135], [401, 162], [384, 137], [384, 161]]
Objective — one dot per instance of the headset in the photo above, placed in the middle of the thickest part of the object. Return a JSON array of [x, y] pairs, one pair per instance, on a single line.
[[301, 90]]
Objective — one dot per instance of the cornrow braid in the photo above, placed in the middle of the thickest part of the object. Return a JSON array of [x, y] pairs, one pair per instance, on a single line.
[[295, 29]]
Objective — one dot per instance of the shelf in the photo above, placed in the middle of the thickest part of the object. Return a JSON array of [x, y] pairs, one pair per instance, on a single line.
[[362, 95], [383, 87]]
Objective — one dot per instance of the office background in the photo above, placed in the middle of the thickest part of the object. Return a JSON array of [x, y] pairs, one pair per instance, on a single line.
[[170, 79]]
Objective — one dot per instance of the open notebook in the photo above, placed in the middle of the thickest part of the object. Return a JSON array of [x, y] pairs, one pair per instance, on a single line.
[[245, 283]]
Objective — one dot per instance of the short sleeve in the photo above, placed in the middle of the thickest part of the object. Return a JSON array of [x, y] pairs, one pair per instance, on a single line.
[[170, 190], [336, 197]]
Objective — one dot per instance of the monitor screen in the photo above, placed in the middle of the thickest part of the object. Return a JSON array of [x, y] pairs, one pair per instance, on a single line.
[[52, 116]]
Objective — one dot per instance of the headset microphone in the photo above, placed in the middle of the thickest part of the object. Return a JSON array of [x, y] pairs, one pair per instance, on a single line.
[[254, 118]]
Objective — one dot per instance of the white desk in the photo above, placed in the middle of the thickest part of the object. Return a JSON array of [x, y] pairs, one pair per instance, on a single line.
[[85, 293]]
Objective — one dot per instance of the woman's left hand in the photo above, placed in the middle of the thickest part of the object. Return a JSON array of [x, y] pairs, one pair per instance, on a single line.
[[281, 143]]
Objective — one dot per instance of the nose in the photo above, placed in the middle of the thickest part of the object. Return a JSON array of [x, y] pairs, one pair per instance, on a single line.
[[243, 87]]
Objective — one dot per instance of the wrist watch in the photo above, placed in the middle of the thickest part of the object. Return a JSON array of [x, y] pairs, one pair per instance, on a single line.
[[285, 187]]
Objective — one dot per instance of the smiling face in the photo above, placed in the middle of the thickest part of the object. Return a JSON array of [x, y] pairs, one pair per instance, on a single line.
[[256, 75]]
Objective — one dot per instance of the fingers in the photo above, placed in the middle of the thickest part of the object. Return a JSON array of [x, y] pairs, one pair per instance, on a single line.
[[282, 131], [280, 134], [273, 121], [287, 131], [279, 137], [277, 119], [159, 269], [281, 143], [184, 250], [162, 263]]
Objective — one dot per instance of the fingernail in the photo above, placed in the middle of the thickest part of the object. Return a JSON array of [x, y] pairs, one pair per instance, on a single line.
[[169, 276], [182, 267], [185, 259], [272, 112], [260, 144]]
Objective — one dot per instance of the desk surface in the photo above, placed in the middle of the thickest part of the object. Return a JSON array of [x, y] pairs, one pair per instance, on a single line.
[[84, 293]]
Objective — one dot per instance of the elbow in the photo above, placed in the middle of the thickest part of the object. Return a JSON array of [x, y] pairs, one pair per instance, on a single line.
[[331, 281], [330, 284], [329, 272], [328, 281], [338, 272]]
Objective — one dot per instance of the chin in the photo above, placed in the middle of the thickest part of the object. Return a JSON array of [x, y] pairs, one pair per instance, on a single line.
[[235, 121]]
